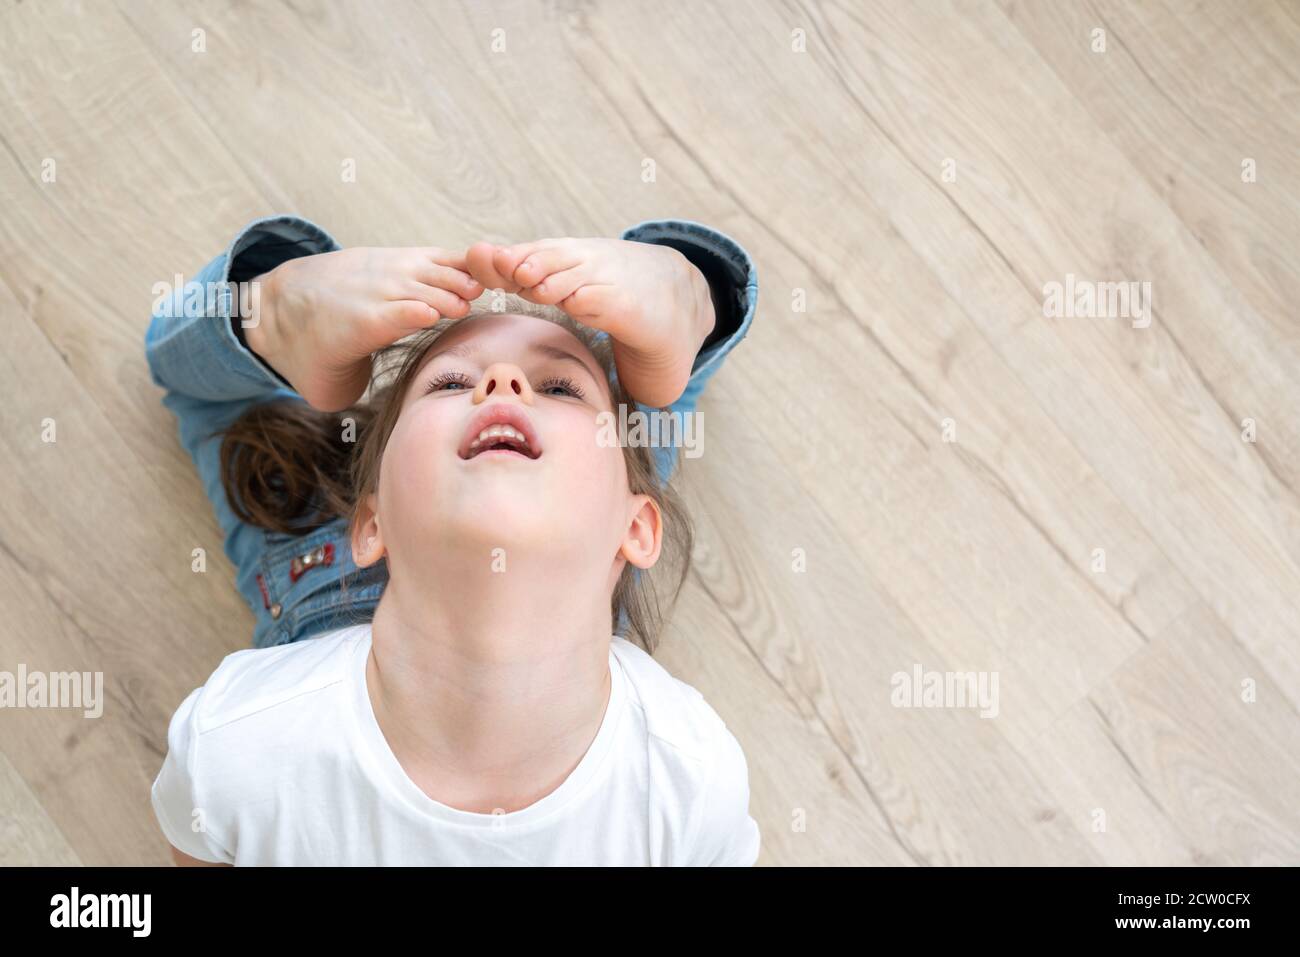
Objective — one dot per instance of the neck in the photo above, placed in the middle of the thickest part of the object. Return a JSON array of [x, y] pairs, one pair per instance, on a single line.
[[489, 686]]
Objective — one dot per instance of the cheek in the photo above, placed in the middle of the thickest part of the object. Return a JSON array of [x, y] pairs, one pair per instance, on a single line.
[[409, 470], [593, 469]]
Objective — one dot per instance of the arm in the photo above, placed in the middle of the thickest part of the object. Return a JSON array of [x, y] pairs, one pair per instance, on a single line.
[[184, 860], [184, 818], [725, 833]]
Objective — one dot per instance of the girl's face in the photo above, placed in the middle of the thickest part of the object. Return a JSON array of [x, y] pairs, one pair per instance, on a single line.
[[495, 446]]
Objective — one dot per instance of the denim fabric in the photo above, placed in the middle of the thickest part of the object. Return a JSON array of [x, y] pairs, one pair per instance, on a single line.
[[210, 378]]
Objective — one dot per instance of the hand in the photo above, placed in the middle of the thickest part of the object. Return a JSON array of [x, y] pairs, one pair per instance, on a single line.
[[318, 318], [652, 301]]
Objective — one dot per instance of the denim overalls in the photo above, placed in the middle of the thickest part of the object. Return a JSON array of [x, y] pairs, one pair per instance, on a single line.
[[299, 586]]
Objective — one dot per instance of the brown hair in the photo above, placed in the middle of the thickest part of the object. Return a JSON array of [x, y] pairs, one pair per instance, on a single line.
[[290, 468]]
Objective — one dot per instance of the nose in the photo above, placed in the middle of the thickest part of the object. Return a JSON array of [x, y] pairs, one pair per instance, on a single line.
[[503, 380]]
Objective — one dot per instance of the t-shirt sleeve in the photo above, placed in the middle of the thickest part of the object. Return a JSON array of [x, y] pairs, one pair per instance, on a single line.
[[727, 836], [176, 804]]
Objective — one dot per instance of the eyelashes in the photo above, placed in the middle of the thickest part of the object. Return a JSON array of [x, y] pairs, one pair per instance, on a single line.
[[563, 382], [447, 378], [444, 379]]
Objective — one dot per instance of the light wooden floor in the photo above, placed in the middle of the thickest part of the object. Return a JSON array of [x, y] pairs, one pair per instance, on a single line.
[[1120, 692]]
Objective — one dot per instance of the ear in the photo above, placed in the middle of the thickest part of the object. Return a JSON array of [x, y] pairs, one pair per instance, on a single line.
[[644, 535], [367, 540]]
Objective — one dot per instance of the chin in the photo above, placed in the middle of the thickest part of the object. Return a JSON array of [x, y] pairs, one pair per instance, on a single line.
[[504, 514]]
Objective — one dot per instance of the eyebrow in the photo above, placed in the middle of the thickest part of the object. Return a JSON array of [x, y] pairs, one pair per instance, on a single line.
[[467, 350]]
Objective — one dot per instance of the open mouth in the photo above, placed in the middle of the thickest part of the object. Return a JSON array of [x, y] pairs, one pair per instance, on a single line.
[[501, 438], [500, 429]]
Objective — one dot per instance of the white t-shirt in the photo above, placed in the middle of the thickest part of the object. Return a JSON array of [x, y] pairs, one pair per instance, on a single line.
[[279, 760]]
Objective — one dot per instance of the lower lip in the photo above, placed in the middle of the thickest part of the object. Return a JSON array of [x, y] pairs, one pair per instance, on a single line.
[[500, 453]]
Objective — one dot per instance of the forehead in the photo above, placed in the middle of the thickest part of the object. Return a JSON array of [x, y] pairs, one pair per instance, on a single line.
[[494, 337]]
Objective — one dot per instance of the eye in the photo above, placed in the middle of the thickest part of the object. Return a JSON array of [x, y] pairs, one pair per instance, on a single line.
[[444, 379], [567, 385]]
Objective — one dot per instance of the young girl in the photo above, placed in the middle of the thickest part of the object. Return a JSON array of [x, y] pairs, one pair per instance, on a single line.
[[476, 569]]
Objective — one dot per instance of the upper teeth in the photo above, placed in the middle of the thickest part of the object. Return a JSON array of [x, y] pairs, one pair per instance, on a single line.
[[496, 432]]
